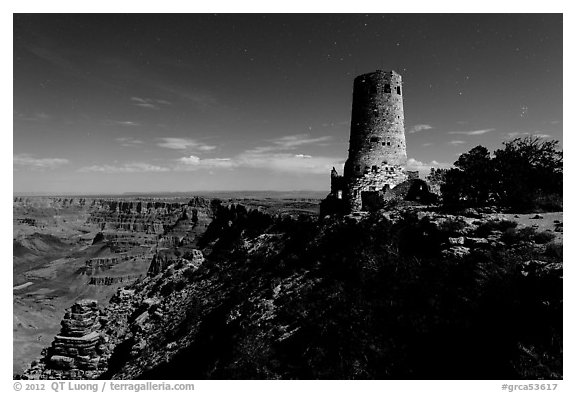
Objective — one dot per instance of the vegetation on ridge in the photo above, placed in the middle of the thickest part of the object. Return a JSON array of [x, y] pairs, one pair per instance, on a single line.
[[368, 298], [526, 175]]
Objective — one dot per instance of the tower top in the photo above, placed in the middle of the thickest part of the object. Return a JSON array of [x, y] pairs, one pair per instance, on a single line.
[[379, 72]]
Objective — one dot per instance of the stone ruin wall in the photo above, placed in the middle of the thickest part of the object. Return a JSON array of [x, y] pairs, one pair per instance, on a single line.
[[377, 152]]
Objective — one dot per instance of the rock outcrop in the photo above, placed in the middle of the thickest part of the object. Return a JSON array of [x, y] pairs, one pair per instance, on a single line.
[[402, 294], [78, 351]]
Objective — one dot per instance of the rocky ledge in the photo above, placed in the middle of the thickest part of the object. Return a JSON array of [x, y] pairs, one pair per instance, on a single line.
[[78, 351]]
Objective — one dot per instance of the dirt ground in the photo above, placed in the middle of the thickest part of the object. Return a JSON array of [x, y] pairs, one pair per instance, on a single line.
[[547, 223]]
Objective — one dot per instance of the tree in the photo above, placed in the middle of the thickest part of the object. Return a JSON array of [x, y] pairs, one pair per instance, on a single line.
[[470, 183], [529, 173], [525, 175], [435, 179], [436, 175]]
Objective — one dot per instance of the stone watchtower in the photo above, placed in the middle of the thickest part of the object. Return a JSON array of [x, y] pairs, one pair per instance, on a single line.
[[375, 171], [377, 153]]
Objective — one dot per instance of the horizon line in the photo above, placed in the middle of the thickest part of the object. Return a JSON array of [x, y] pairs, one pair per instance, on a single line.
[[134, 193]]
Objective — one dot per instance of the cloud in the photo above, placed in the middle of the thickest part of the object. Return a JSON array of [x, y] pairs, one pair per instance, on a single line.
[[290, 142], [279, 156], [39, 164], [427, 144], [475, 132], [520, 134], [184, 143], [420, 127], [288, 163], [129, 141], [414, 165], [134, 167], [150, 103], [123, 123], [457, 142], [199, 99], [194, 163], [337, 124], [50, 56], [277, 162], [37, 117]]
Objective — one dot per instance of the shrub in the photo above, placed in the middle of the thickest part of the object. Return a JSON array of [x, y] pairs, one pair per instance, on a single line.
[[168, 288], [453, 227], [180, 285], [526, 175], [485, 228], [554, 250], [98, 238], [543, 237], [189, 274], [513, 235], [179, 264]]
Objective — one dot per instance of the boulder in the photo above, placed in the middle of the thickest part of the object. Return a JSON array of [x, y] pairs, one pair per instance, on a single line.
[[456, 240], [456, 251], [476, 242], [62, 362]]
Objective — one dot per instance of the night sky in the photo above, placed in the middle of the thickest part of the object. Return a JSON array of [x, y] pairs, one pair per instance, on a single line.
[[200, 102]]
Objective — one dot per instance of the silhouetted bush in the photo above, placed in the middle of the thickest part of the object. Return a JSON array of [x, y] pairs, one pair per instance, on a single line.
[[513, 235], [554, 250], [543, 237], [487, 227], [189, 274], [167, 288], [526, 175], [179, 285], [98, 238], [453, 227]]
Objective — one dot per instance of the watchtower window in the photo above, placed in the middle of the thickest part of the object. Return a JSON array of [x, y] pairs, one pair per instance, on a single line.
[[339, 194], [387, 143], [374, 139], [387, 88], [374, 168], [398, 90]]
